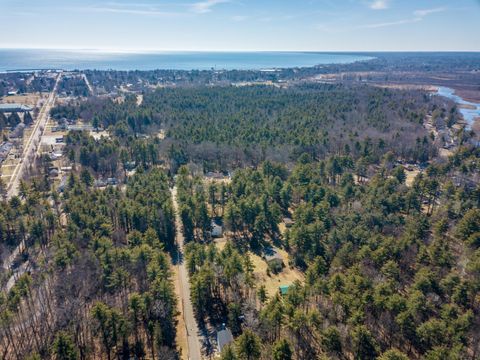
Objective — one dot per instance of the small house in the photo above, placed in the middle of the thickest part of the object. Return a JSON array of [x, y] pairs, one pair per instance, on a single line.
[[214, 175], [9, 108], [224, 337], [99, 183], [272, 255], [274, 260], [56, 155], [130, 165], [217, 230], [112, 181], [283, 289]]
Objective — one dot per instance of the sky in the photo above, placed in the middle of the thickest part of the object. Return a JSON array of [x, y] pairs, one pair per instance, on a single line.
[[241, 25]]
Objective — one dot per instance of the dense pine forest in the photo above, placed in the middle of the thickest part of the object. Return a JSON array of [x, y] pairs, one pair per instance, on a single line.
[[101, 280], [346, 231], [391, 271], [228, 127]]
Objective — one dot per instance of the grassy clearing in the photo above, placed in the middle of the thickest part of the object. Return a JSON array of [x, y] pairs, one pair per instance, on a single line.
[[411, 175], [30, 99], [287, 277]]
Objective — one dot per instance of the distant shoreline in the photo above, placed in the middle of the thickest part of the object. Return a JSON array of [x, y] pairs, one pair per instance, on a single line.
[[19, 60]]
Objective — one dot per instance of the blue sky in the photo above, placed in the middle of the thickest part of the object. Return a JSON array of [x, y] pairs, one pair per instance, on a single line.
[[314, 25]]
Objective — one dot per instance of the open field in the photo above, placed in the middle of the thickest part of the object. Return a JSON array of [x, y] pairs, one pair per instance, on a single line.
[[287, 277], [30, 99], [469, 95], [465, 86], [411, 175], [7, 169]]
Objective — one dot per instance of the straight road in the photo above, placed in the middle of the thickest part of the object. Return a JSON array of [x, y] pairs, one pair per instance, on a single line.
[[33, 143], [31, 150], [87, 82], [193, 338]]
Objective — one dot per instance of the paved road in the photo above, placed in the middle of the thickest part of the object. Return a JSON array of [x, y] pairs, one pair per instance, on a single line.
[[31, 149], [33, 143], [193, 337], [87, 82]]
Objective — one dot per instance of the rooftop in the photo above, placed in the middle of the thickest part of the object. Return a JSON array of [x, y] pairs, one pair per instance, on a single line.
[[272, 254], [224, 337], [284, 289], [14, 107]]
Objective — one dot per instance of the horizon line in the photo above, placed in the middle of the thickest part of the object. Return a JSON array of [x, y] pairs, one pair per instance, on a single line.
[[146, 51]]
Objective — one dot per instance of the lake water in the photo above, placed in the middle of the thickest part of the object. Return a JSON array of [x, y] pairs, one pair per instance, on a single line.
[[15, 59], [468, 114]]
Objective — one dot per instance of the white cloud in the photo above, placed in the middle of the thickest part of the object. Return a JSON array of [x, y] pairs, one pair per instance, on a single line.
[[418, 15], [203, 7], [379, 4], [425, 12], [391, 23], [130, 9]]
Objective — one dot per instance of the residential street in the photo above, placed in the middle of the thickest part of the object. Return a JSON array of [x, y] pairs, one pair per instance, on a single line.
[[193, 338], [30, 150], [33, 142]]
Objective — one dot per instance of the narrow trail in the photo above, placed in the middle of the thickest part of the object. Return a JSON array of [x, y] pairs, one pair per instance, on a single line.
[[192, 330]]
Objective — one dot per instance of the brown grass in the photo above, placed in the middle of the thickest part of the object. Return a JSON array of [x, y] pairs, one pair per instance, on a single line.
[[30, 99], [287, 277], [411, 175]]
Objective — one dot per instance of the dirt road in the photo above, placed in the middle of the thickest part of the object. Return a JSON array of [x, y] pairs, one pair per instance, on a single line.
[[193, 337]]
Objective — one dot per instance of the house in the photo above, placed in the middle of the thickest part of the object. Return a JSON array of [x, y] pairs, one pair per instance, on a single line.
[[80, 128], [99, 183], [56, 155], [283, 289], [9, 108], [112, 181], [130, 165], [214, 175], [274, 260], [217, 230], [224, 337]]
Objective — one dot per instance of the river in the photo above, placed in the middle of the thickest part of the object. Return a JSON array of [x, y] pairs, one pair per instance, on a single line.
[[469, 110]]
